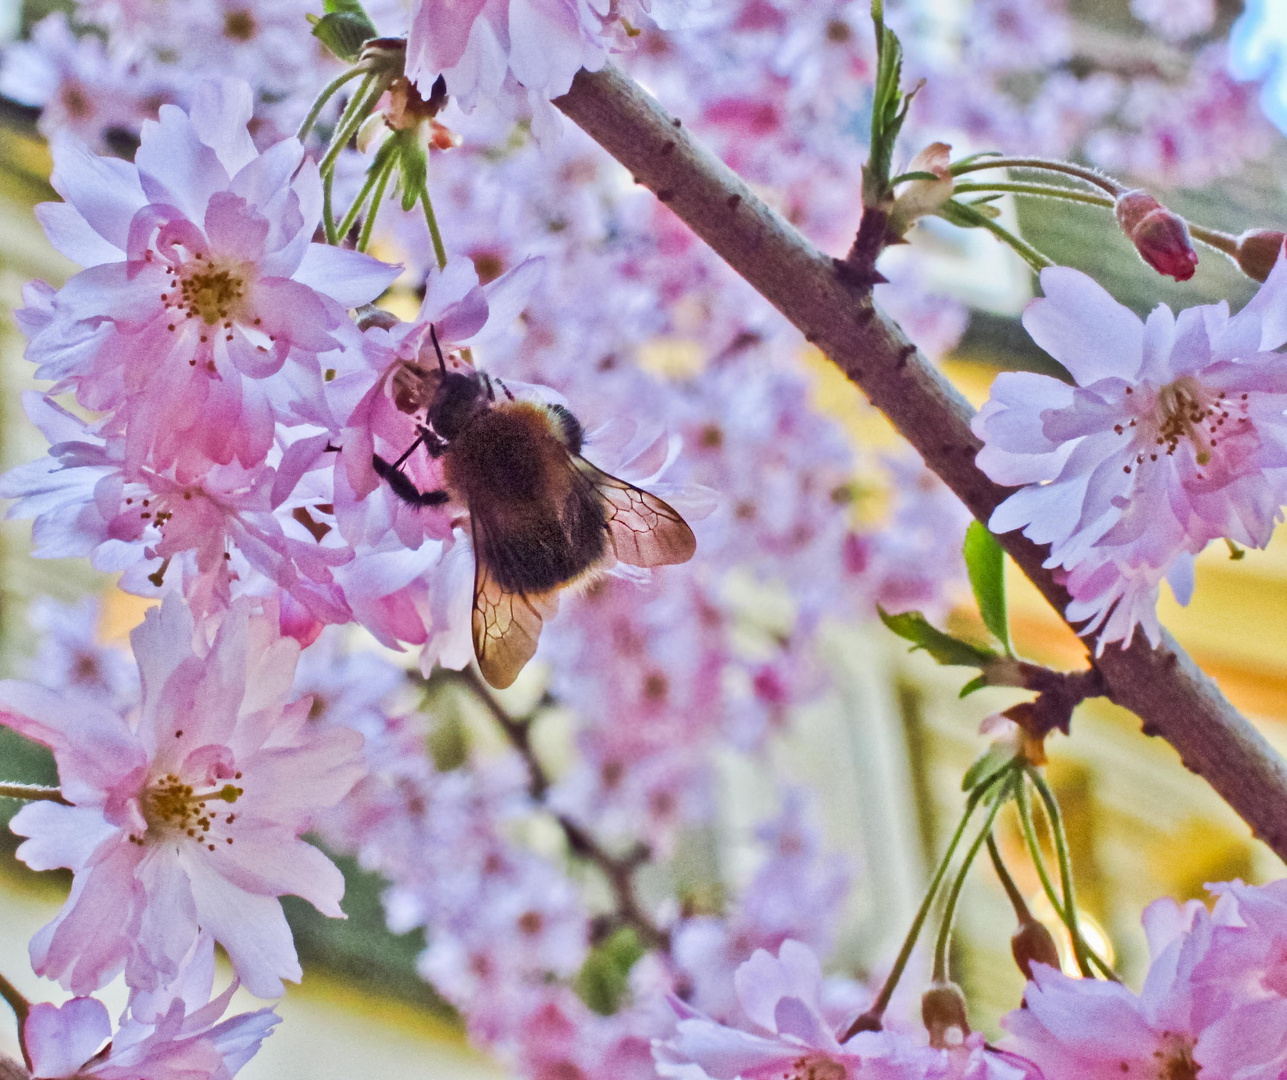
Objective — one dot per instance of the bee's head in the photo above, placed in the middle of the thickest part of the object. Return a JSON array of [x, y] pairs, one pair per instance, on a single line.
[[455, 402]]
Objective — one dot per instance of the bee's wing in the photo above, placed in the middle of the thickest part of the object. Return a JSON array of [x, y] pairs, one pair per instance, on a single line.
[[506, 625], [645, 530]]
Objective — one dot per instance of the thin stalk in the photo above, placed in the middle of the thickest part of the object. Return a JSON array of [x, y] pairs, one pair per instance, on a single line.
[[368, 226], [328, 92], [439, 251], [21, 1007], [1026, 251], [878, 1007], [1038, 861], [1065, 869], [1221, 241], [1020, 905], [328, 213], [949, 910], [32, 792], [379, 168], [1048, 191], [1089, 176], [358, 109]]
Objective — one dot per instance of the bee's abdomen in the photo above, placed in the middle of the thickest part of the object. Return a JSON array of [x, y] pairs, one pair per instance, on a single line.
[[543, 525]]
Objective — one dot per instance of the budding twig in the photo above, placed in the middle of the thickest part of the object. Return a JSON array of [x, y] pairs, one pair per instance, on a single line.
[[21, 1007], [32, 792], [1163, 686], [618, 869]]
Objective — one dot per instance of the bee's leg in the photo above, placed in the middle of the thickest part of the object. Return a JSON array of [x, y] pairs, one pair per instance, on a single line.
[[432, 498], [491, 390], [433, 333], [506, 389], [397, 480]]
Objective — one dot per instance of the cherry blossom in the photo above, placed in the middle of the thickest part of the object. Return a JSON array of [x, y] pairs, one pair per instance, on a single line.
[[169, 1035], [1172, 436], [187, 814], [1181, 1024], [787, 1034], [201, 281]]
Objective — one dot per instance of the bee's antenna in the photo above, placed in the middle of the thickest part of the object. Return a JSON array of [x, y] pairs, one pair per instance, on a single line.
[[406, 454], [508, 394], [442, 364]]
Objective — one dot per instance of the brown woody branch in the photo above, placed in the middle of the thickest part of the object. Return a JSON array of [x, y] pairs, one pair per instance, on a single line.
[[1163, 686], [619, 870]]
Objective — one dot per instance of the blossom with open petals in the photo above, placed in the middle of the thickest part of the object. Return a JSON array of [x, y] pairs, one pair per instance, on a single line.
[[1172, 435], [186, 816], [201, 280], [176, 1033]]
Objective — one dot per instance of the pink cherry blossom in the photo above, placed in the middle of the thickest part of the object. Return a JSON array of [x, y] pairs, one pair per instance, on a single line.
[[71, 657], [186, 815], [176, 1034], [201, 281], [217, 535], [1172, 436], [788, 1034], [1181, 1024]]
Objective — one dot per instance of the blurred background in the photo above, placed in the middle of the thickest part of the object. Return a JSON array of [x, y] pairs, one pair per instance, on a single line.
[[886, 744]]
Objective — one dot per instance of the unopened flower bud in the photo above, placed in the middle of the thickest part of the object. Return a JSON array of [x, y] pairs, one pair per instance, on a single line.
[[916, 198], [1032, 944], [943, 1014], [1160, 236], [1258, 250]]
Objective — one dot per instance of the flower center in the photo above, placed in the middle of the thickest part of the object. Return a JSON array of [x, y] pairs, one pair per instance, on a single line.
[[1175, 1057], [817, 1068], [239, 25], [1185, 410], [206, 290], [171, 806]]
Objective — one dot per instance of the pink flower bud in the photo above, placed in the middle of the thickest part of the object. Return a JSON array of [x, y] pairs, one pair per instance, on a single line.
[[943, 1013], [1160, 236], [1032, 944], [1258, 250]]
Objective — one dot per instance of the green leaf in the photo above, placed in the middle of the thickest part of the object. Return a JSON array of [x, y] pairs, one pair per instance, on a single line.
[[971, 159], [985, 766], [917, 175], [347, 7], [977, 683], [415, 169], [344, 33], [914, 627], [604, 978], [985, 562]]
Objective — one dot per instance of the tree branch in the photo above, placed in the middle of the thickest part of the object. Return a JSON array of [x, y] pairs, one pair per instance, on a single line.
[[1163, 687]]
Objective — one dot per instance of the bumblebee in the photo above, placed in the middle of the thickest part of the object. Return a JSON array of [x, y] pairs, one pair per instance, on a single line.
[[542, 517]]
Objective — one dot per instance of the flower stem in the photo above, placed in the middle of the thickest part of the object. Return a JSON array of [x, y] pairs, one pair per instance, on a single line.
[[1021, 912], [439, 251], [1090, 176], [368, 226], [328, 92], [949, 910], [32, 792], [328, 213], [1048, 191], [1065, 868], [357, 110], [870, 1020], [379, 168], [21, 1007]]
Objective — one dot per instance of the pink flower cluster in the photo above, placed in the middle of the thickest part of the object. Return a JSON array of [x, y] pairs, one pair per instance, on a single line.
[[1173, 434]]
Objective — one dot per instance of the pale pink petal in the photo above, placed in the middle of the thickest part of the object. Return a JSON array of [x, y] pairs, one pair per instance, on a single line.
[[62, 1038], [104, 190], [221, 109], [1084, 328], [60, 836], [349, 277], [71, 235]]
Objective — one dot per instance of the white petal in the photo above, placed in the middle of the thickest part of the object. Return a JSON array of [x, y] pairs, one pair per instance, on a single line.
[[1084, 328]]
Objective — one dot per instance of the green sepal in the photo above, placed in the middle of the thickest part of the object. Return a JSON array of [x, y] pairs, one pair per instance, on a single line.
[[986, 766], [345, 32], [985, 563], [914, 627], [414, 166], [976, 683], [918, 175], [604, 978], [957, 166]]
